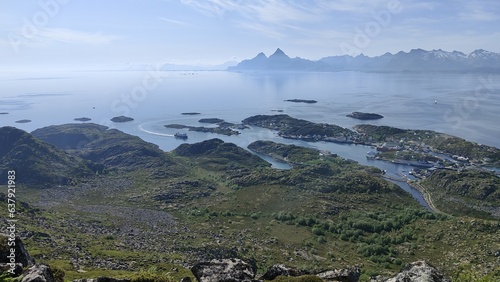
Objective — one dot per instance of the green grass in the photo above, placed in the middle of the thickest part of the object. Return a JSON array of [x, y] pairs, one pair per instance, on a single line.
[[327, 214]]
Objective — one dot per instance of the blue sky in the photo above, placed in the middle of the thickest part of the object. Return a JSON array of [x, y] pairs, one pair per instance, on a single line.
[[85, 33]]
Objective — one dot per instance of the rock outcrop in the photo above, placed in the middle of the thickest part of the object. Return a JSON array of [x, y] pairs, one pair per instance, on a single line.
[[223, 270], [345, 275], [38, 273], [22, 256], [281, 270], [418, 271]]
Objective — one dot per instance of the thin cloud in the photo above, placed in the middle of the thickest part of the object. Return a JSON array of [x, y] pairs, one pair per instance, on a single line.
[[263, 29], [173, 21], [477, 15], [354, 6], [75, 37], [266, 11]]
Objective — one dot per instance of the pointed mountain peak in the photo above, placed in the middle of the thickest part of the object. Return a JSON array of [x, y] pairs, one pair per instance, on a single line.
[[261, 55], [279, 53]]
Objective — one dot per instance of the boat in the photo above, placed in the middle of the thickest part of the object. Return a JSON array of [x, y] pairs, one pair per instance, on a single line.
[[180, 135], [371, 155]]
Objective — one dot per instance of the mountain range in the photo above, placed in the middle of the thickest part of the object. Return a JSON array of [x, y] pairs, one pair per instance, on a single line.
[[417, 60]]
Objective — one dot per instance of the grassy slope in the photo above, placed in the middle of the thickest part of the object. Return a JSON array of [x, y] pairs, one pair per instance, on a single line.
[[476, 193], [327, 213]]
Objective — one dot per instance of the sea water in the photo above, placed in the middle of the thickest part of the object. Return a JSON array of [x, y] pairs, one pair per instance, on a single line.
[[461, 104]]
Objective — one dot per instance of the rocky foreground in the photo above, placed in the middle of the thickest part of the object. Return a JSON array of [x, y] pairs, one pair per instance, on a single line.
[[231, 269]]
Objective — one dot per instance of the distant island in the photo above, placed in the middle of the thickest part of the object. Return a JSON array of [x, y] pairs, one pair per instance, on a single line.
[[83, 119], [210, 120], [23, 121], [4, 113], [364, 116], [121, 119], [190, 113], [417, 60], [301, 101]]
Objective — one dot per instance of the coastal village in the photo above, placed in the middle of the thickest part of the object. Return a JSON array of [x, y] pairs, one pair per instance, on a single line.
[[424, 150]]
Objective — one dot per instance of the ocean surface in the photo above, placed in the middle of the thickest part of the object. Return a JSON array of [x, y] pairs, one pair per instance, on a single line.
[[464, 105]]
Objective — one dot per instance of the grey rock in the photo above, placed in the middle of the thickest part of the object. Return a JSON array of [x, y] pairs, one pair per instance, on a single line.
[[223, 270], [22, 256], [418, 271], [281, 270], [38, 273], [345, 275], [5, 267]]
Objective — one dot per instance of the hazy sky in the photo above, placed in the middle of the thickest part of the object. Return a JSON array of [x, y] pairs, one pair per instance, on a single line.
[[81, 33]]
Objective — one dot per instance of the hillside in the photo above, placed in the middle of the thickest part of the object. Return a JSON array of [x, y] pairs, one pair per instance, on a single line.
[[37, 163], [476, 193], [217, 200], [109, 149]]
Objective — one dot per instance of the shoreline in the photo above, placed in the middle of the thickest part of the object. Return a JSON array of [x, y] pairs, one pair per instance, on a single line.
[[426, 195]]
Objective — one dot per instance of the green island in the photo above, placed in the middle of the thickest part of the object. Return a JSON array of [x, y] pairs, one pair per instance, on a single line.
[[223, 127], [121, 119], [216, 130], [96, 202], [364, 116]]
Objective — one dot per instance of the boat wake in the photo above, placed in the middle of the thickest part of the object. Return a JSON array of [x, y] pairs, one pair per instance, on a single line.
[[152, 132]]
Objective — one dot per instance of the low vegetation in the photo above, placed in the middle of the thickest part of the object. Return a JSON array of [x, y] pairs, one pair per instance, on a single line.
[[214, 199]]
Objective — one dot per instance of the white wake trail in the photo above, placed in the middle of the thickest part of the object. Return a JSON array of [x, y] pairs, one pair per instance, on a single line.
[[154, 133]]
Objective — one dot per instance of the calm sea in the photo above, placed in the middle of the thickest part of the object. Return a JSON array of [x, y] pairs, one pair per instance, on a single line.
[[464, 105]]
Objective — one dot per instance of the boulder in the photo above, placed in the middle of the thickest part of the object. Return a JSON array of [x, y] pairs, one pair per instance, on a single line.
[[223, 270], [418, 271], [344, 275], [281, 270], [38, 273]]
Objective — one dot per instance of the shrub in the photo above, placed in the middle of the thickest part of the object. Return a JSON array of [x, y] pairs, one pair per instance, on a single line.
[[317, 231], [58, 273], [151, 275]]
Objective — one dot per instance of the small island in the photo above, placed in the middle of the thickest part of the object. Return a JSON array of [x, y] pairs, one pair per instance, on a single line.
[[211, 120], [121, 119], [4, 113], [191, 114], [217, 130], [83, 119], [364, 116], [301, 101], [23, 121]]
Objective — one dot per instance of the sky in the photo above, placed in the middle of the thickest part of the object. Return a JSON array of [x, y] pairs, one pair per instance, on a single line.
[[104, 33]]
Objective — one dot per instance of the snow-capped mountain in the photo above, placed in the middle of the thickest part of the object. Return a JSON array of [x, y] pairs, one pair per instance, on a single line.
[[418, 60]]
